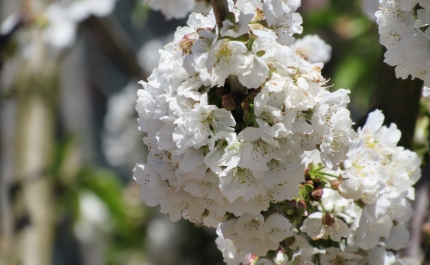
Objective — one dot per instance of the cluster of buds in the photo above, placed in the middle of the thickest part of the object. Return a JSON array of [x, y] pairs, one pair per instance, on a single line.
[[295, 211], [243, 135]]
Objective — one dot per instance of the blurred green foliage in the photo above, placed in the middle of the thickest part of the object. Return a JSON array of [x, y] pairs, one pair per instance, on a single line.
[[126, 211], [356, 51]]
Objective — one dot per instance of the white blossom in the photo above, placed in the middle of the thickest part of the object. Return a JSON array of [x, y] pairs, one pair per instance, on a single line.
[[406, 37], [313, 49], [277, 228], [317, 228], [426, 92], [242, 133]]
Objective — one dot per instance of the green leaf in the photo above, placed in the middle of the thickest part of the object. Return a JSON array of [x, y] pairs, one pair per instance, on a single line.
[[260, 53], [349, 71], [62, 150], [139, 15], [105, 185]]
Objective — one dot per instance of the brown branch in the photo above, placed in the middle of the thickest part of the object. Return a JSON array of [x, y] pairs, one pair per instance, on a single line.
[[116, 44], [235, 86], [220, 10]]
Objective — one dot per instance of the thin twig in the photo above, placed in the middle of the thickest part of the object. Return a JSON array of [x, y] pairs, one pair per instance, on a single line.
[[220, 10]]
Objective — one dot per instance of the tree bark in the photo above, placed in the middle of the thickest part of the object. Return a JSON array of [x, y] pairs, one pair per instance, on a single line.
[[399, 101], [34, 204], [33, 201]]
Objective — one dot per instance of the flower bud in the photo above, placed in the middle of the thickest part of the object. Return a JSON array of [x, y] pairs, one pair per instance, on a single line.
[[301, 208], [307, 175], [310, 182], [290, 207], [228, 102], [350, 189], [247, 117], [220, 91], [295, 219], [250, 259], [317, 180], [317, 194]]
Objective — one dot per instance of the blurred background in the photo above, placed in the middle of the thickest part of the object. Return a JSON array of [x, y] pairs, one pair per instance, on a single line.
[[68, 130]]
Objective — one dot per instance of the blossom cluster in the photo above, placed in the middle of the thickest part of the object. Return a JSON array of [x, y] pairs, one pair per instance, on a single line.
[[364, 208], [244, 135], [403, 29], [214, 150], [381, 175]]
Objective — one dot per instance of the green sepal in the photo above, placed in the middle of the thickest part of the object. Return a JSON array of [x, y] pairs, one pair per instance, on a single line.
[[260, 53]]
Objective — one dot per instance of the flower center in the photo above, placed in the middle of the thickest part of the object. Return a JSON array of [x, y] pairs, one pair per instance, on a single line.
[[224, 53], [243, 175]]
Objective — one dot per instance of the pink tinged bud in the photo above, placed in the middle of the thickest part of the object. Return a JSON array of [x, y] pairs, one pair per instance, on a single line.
[[250, 259], [307, 175], [228, 102], [350, 189], [290, 207], [310, 182], [220, 91], [301, 208]]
